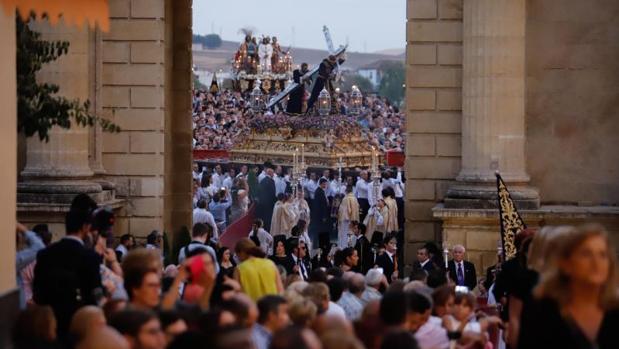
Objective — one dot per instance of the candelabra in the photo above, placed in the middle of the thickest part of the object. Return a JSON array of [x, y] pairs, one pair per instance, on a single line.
[[375, 175]]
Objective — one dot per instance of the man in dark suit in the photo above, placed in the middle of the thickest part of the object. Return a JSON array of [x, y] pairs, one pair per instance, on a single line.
[[364, 250], [460, 271], [299, 262], [388, 260], [424, 262], [266, 199], [67, 275], [320, 212]]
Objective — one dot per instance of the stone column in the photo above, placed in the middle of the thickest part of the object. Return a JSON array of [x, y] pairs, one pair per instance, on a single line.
[[57, 170], [8, 158], [493, 97], [95, 68]]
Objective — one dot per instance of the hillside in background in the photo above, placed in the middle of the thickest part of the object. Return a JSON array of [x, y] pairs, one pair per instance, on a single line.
[[219, 58]]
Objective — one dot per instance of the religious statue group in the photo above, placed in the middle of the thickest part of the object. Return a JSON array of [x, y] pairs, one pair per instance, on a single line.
[[266, 56]]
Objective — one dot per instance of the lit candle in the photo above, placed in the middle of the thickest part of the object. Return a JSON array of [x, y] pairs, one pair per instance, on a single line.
[[446, 257], [303, 154], [373, 160], [295, 169]]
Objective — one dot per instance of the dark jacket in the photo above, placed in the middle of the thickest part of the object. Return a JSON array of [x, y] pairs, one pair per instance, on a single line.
[[383, 261], [366, 257], [67, 277], [428, 267], [266, 201], [470, 276], [320, 213]]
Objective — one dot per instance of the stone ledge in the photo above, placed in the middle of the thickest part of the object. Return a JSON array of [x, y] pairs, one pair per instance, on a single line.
[[115, 204], [544, 212]]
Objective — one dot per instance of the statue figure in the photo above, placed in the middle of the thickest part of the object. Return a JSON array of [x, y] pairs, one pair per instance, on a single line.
[[326, 74], [277, 55], [265, 51]]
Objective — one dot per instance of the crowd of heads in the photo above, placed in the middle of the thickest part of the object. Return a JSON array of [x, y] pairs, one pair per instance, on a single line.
[[244, 297], [221, 120]]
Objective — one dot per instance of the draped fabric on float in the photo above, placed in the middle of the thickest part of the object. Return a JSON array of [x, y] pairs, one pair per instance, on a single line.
[[510, 220], [72, 12]]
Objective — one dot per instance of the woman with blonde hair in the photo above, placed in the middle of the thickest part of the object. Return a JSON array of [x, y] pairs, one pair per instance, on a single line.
[[540, 254], [576, 301]]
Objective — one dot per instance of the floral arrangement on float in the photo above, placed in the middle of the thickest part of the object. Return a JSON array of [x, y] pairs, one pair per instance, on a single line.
[[313, 126]]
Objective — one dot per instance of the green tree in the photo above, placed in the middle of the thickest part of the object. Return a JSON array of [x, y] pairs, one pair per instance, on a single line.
[[39, 108], [392, 82], [210, 41], [361, 82]]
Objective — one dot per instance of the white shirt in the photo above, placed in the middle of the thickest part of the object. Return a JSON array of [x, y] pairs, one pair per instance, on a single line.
[[398, 185], [311, 186], [335, 187], [201, 215], [123, 251], [227, 182], [280, 185], [335, 310], [432, 336], [361, 188], [302, 270], [217, 180], [261, 176], [73, 237], [266, 241]]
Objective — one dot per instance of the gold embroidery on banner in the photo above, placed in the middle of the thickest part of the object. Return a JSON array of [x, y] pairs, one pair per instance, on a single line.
[[511, 222]]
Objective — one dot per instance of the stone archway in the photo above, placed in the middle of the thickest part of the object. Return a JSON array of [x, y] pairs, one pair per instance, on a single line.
[[138, 75]]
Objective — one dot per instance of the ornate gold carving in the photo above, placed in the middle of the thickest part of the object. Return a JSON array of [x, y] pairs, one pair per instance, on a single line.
[[511, 222]]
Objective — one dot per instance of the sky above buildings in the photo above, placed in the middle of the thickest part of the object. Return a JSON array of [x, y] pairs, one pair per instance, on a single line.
[[367, 25]]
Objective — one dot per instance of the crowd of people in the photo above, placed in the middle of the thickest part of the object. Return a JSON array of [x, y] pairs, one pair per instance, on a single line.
[[220, 120], [320, 268], [561, 291], [320, 208]]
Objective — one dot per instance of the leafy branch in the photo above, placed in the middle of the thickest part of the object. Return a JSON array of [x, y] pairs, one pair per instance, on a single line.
[[39, 108]]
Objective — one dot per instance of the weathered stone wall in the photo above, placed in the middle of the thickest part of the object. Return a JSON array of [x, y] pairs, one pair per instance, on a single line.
[[133, 96], [434, 104], [572, 110], [571, 116], [8, 155]]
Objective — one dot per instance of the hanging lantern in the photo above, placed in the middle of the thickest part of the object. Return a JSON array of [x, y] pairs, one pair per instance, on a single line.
[[257, 98], [356, 101], [324, 102]]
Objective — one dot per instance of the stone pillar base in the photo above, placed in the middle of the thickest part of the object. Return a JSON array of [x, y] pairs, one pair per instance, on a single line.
[[47, 201], [484, 196], [479, 231]]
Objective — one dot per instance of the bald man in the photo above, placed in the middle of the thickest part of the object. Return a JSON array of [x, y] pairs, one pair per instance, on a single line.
[[462, 272], [103, 338]]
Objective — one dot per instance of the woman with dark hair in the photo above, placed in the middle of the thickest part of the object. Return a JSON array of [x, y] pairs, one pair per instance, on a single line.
[[226, 263], [280, 253]]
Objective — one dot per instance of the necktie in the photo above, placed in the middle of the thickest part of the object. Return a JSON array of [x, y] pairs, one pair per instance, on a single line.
[[460, 275]]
